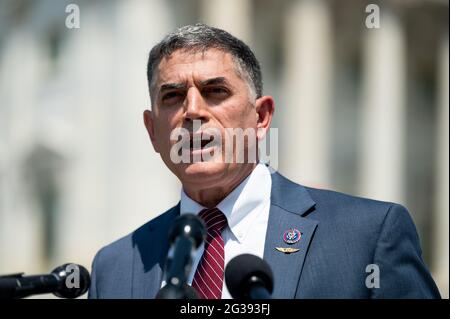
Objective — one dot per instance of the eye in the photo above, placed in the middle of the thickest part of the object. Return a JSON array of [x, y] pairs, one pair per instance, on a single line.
[[172, 97], [216, 92]]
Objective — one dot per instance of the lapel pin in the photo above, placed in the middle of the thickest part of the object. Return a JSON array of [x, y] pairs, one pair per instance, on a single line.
[[292, 236], [287, 250]]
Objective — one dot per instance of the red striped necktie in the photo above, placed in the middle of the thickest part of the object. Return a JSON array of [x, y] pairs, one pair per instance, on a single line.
[[208, 279]]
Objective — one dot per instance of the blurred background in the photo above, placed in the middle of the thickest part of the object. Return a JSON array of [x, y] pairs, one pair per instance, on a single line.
[[359, 110]]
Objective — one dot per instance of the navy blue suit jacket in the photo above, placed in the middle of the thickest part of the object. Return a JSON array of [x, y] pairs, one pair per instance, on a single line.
[[341, 236]]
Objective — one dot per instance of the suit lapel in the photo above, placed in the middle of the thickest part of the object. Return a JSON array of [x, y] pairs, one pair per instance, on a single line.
[[150, 250], [289, 201]]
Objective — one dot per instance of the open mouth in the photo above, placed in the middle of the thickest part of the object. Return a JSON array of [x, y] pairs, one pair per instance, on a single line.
[[200, 142]]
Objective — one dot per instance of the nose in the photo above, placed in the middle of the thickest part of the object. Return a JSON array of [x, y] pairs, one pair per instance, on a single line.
[[195, 107]]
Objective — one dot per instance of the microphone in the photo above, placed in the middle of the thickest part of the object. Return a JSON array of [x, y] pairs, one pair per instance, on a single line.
[[186, 234], [249, 277], [66, 281]]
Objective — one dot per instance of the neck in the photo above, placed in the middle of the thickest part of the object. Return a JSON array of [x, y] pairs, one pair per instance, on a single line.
[[211, 196]]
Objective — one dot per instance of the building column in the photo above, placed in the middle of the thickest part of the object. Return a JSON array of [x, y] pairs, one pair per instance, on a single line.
[[383, 115], [441, 215], [304, 130], [141, 178], [116, 181], [20, 221], [233, 16]]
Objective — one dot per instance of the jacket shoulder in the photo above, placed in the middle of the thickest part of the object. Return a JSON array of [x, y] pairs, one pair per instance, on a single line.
[[123, 247], [337, 203], [112, 267]]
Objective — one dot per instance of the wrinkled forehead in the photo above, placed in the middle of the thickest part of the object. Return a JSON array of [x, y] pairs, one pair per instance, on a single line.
[[184, 65]]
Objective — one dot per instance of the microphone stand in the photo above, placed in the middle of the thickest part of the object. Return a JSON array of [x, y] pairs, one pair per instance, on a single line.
[[186, 234]]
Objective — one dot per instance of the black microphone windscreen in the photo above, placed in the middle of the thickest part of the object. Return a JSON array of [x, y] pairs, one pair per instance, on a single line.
[[241, 269], [74, 280], [190, 226]]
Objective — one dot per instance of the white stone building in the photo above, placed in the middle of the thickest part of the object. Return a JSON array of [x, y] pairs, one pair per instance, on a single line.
[[363, 111]]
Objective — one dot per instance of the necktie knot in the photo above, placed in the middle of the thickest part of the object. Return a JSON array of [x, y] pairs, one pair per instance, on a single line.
[[214, 219]]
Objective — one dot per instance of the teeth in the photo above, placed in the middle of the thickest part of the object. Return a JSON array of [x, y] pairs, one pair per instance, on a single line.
[[198, 142], [196, 146]]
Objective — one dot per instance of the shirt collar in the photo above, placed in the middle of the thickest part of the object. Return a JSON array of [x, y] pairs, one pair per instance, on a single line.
[[242, 205]]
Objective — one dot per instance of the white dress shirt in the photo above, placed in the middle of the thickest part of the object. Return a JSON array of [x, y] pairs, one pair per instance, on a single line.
[[247, 211]]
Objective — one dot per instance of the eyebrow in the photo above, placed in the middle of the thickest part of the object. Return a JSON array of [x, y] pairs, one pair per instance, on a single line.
[[217, 80], [181, 86], [172, 86]]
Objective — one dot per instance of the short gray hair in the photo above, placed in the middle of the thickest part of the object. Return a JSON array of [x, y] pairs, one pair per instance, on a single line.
[[201, 37]]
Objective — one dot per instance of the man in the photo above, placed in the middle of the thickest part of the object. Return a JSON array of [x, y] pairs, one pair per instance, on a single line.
[[341, 246]]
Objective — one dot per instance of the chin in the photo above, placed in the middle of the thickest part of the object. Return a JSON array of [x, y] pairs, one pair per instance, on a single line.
[[203, 171]]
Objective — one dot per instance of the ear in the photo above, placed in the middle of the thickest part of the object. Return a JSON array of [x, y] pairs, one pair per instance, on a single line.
[[265, 107], [149, 125]]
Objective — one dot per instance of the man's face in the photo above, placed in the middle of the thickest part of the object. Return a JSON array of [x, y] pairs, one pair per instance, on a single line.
[[207, 87]]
